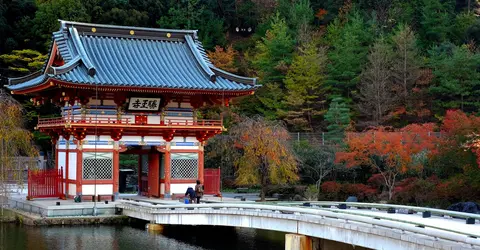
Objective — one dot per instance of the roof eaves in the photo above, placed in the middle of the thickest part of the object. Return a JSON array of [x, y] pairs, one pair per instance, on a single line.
[[81, 51], [194, 49], [233, 77], [17, 80]]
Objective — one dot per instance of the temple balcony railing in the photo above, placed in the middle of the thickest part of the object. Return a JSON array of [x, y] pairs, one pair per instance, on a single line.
[[125, 123]]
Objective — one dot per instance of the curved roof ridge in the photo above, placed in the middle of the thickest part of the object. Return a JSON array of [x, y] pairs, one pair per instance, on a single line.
[[95, 25], [64, 68], [193, 48], [81, 51], [233, 77]]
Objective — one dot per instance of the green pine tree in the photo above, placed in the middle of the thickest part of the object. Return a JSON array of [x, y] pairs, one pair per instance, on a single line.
[[457, 78], [338, 119], [348, 53], [305, 84], [273, 57]]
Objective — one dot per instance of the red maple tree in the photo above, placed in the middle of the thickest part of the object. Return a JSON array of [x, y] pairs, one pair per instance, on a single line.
[[390, 153]]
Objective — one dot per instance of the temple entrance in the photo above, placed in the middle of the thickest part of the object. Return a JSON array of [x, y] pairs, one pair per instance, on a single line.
[[141, 171]]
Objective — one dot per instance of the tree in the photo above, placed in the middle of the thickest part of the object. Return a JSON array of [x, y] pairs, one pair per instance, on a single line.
[[436, 22], [376, 91], [457, 78], [338, 119], [14, 141], [21, 62], [274, 51], [266, 155], [224, 58], [305, 85], [390, 153], [316, 162], [194, 14], [348, 51], [48, 13], [272, 58], [405, 62]]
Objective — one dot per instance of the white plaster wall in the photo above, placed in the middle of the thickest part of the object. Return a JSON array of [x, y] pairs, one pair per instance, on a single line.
[[61, 161], [153, 138], [98, 146], [131, 138], [91, 138], [187, 139], [180, 188], [109, 102], [162, 188], [185, 147], [72, 189], [153, 119], [72, 165], [64, 146], [101, 189]]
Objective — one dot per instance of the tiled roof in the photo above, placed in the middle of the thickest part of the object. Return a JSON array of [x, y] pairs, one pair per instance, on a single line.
[[108, 55]]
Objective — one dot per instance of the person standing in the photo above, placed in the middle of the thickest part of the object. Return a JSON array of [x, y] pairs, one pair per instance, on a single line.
[[198, 191]]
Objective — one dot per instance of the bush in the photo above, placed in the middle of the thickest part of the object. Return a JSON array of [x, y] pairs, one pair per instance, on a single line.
[[311, 193], [286, 192]]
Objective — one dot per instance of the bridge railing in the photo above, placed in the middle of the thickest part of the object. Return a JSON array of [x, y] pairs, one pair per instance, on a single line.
[[359, 205], [436, 231]]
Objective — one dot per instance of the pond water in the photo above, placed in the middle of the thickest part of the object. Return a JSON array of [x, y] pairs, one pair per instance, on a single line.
[[126, 237]]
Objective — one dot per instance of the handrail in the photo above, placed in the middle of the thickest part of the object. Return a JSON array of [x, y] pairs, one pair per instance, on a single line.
[[126, 121], [433, 211], [377, 219]]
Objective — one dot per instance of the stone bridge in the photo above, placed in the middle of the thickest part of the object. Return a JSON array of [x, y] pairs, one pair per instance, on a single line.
[[356, 225]]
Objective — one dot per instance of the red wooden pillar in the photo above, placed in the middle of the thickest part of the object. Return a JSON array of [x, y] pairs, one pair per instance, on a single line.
[[79, 169], [167, 172], [116, 171], [201, 165], [65, 178]]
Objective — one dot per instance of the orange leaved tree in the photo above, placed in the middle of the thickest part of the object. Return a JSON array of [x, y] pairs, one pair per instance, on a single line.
[[266, 156], [224, 58], [390, 153]]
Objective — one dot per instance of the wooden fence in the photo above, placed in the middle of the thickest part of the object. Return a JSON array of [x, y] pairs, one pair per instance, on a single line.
[[45, 183]]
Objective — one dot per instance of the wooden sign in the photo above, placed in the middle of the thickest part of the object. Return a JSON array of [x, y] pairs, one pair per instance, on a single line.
[[144, 104]]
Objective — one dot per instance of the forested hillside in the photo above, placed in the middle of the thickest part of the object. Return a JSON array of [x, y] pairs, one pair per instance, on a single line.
[[386, 62]]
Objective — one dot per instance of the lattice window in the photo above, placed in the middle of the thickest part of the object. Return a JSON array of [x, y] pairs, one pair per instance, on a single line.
[[144, 164], [97, 166], [184, 166]]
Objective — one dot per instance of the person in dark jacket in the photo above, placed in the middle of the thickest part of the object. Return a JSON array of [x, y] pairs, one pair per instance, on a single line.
[[199, 191], [191, 194]]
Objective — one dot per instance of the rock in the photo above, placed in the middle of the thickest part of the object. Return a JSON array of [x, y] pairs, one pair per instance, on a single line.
[[466, 207], [352, 199]]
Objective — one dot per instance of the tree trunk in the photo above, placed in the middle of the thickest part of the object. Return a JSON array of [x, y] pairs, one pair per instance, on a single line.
[[264, 187]]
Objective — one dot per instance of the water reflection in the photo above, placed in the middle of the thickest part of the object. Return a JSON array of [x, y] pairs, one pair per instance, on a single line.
[[122, 237]]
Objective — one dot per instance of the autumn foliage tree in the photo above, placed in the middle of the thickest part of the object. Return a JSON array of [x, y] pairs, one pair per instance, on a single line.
[[224, 58], [14, 141], [266, 156], [390, 153]]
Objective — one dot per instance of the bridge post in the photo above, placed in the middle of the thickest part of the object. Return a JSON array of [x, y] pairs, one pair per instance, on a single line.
[[297, 242]]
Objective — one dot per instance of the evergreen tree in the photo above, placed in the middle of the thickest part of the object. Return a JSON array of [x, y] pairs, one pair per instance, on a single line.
[[348, 53], [305, 85], [48, 13], [22, 62], [338, 119], [436, 22], [274, 55], [457, 78]]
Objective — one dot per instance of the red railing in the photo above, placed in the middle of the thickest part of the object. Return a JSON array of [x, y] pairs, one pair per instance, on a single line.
[[211, 181], [45, 183], [61, 121]]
